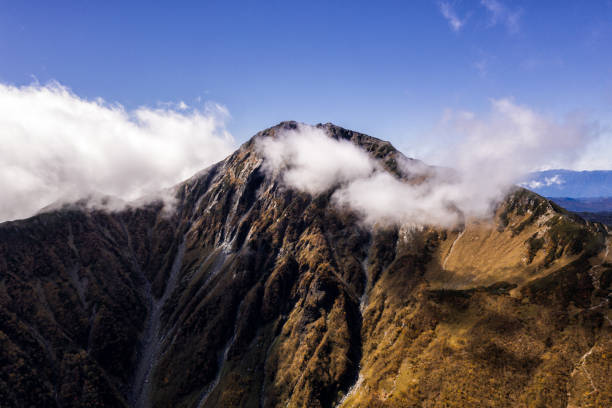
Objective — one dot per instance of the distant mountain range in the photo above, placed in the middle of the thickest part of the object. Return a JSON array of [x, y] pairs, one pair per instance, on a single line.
[[572, 184], [595, 204], [588, 193]]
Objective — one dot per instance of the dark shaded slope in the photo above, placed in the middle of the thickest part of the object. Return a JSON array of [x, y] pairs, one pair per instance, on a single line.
[[73, 303]]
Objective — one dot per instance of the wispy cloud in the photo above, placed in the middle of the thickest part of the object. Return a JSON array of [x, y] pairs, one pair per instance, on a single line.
[[597, 155], [541, 63], [483, 63], [451, 16], [482, 66], [499, 13], [547, 182], [58, 146]]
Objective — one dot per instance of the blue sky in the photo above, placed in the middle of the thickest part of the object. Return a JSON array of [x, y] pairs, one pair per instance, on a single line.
[[388, 68]]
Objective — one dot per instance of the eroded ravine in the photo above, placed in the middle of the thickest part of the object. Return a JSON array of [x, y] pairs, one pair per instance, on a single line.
[[363, 302], [220, 361], [450, 251], [152, 339]]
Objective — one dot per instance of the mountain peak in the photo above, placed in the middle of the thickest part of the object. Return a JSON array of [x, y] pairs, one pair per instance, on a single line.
[[381, 150]]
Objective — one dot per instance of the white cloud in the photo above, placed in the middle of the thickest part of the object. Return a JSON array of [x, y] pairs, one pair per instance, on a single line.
[[556, 179], [489, 154], [499, 13], [311, 161], [451, 16], [597, 155], [547, 182], [384, 199], [58, 146], [496, 150]]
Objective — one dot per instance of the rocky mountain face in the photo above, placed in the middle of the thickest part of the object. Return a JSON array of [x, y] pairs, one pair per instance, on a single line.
[[252, 294]]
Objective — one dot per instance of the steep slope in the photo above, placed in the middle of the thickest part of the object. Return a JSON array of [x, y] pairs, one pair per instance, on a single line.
[[73, 299], [502, 316], [253, 294]]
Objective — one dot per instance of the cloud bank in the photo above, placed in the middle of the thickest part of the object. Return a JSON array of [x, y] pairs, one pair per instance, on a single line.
[[57, 146], [488, 155], [311, 161]]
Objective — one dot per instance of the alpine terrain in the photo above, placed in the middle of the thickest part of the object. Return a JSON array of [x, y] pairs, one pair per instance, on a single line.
[[253, 294]]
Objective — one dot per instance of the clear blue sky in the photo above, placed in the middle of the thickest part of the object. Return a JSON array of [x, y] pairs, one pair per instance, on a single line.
[[388, 68]]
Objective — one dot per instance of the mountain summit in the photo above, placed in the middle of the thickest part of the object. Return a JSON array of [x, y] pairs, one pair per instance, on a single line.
[[255, 294]]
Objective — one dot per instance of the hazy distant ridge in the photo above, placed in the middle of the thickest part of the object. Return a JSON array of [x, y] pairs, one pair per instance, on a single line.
[[572, 184]]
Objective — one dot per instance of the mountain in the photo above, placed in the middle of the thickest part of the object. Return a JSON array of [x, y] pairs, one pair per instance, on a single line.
[[253, 294]]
